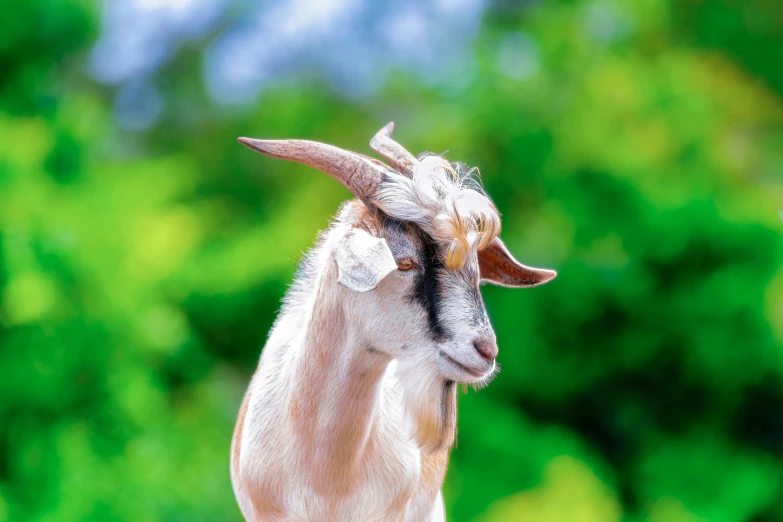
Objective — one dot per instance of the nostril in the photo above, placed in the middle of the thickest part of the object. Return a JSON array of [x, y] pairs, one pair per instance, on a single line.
[[487, 348]]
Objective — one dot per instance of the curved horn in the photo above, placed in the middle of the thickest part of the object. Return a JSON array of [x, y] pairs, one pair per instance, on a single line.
[[498, 266], [383, 144], [358, 173]]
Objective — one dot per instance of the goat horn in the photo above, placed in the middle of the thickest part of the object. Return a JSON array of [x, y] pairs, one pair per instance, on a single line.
[[383, 144], [358, 173]]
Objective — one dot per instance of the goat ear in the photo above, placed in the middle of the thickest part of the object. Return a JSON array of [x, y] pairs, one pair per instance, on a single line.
[[498, 267], [363, 260]]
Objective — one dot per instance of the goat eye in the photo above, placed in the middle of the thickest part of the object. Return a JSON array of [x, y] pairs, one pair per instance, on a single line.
[[405, 264]]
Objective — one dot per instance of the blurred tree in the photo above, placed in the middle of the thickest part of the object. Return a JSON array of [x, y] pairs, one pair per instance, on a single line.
[[635, 146]]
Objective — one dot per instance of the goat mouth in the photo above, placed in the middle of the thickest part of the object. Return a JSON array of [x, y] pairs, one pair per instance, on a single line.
[[466, 369]]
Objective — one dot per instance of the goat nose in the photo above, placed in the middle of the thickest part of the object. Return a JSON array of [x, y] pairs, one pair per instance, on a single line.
[[487, 348]]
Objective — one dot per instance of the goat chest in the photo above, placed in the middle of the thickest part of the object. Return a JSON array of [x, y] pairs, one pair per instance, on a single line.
[[302, 473]]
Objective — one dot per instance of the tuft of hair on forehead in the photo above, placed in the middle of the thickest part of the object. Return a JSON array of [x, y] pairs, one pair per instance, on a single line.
[[446, 200]]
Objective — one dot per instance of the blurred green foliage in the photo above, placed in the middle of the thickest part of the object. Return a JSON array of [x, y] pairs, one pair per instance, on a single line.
[[141, 271]]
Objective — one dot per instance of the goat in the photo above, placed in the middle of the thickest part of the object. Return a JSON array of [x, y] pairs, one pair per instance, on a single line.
[[351, 412]]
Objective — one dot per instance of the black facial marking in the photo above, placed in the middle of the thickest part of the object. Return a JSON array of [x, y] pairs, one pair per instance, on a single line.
[[447, 408], [445, 405], [426, 288], [393, 226], [395, 232]]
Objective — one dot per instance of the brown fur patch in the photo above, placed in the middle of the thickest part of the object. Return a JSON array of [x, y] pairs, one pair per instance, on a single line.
[[435, 415], [337, 452], [433, 470]]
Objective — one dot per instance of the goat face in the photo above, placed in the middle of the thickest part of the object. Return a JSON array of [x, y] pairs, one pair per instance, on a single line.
[[412, 253], [434, 317], [424, 255]]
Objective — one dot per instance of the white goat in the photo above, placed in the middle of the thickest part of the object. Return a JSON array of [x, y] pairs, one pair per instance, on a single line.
[[351, 413]]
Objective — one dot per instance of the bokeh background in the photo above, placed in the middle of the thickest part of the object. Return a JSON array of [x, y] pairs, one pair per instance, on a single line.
[[634, 145]]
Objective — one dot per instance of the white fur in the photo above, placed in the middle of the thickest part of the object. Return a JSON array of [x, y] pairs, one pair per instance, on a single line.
[[351, 413], [447, 202]]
